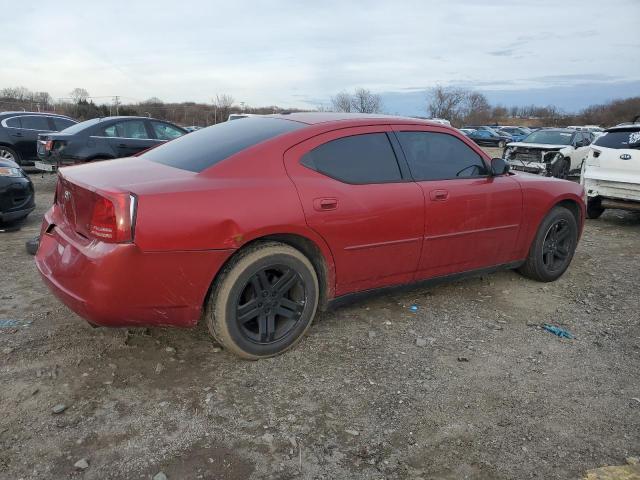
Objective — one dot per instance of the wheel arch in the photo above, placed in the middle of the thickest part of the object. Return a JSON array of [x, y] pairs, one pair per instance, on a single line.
[[316, 250]]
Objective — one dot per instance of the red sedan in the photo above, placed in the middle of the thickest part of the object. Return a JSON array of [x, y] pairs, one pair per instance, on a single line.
[[253, 225]]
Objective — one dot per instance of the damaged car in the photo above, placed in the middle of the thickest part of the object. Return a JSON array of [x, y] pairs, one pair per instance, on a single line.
[[611, 173], [552, 152]]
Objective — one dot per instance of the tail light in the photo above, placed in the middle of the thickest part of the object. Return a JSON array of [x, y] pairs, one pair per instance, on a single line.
[[113, 217]]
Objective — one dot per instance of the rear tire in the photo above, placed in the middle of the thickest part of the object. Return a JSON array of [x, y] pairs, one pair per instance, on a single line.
[[263, 301], [594, 207], [553, 246]]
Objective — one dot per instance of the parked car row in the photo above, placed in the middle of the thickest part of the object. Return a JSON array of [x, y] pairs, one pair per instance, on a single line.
[[103, 139]]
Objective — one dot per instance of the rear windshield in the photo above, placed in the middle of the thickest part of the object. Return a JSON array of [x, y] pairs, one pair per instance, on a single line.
[[204, 148], [628, 138]]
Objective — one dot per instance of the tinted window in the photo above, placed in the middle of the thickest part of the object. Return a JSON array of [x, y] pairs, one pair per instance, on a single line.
[[61, 123], [164, 131], [206, 147], [127, 129], [367, 158], [619, 139], [439, 156], [13, 122], [33, 122]]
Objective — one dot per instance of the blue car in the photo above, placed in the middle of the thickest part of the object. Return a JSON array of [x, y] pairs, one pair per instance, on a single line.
[[517, 133]]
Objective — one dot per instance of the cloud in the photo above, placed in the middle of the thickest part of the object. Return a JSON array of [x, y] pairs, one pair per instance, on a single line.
[[295, 53]]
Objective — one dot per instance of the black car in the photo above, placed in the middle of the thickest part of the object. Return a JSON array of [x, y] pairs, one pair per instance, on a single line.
[[19, 133], [488, 137], [102, 139], [17, 199]]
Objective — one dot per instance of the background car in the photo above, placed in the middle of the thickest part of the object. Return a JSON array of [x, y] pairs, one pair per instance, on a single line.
[[517, 133], [611, 173], [19, 133], [554, 152], [17, 199], [102, 139], [281, 215], [489, 137]]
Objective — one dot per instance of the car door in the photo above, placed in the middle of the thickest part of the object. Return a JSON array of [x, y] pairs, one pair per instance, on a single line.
[[581, 143], [357, 196], [26, 136], [128, 137], [472, 219]]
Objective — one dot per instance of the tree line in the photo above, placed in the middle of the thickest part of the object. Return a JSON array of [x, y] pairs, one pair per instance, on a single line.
[[459, 106]]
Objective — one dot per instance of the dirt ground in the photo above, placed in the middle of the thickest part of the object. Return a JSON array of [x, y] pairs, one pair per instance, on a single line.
[[467, 386]]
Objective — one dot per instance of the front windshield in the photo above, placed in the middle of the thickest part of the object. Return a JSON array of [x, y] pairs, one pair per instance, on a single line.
[[78, 127], [549, 137]]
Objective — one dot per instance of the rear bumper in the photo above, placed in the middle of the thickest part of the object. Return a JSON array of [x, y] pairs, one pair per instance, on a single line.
[[612, 189], [118, 285]]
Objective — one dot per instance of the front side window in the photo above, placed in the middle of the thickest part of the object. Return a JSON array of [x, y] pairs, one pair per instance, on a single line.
[[127, 129], [440, 156], [164, 131], [33, 122], [358, 159]]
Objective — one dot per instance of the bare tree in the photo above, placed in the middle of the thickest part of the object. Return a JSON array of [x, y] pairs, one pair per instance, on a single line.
[[363, 101], [79, 95], [447, 103], [476, 108], [342, 102], [222, 105]]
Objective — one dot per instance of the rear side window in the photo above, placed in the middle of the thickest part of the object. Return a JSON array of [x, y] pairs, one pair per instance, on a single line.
[[13, 122], [61, 123], [33, 122], [619, 139], [440, 156], [358, 159], [204, 148]]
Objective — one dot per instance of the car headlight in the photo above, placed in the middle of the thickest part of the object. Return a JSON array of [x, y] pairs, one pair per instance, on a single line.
[[10, 172]]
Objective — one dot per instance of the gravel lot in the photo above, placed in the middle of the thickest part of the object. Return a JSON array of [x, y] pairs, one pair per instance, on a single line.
[[468, 386]]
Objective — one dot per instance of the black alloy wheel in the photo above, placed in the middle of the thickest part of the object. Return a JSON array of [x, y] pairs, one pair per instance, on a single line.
[[270, 305], [557, 245]]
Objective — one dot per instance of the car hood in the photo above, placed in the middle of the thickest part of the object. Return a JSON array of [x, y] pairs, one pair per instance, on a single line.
[[8, 163], [540, 146]]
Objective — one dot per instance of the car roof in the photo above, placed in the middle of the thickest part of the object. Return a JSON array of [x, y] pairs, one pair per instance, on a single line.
[[314, 118], [48, 114]]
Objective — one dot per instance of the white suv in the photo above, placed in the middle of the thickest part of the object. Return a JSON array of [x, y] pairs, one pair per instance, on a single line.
[[611, 171]]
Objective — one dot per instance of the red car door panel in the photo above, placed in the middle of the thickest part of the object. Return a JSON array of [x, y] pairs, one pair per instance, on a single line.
[[472, 219], [375, 230], [476, 225]]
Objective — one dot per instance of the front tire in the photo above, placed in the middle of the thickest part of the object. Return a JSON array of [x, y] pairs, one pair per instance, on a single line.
[[263, 301], [7, 153], [553, 246], [561, 169]]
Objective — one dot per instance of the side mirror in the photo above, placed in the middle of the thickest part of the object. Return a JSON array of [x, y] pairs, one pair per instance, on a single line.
[[499, 167]]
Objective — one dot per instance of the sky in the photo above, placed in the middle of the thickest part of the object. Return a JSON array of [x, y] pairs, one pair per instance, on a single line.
[[299, 53]]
